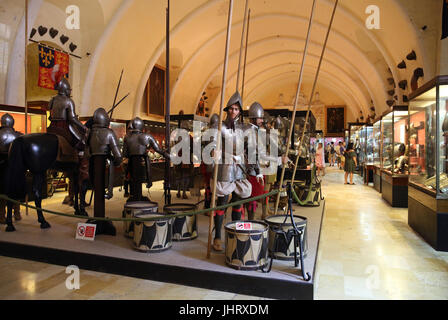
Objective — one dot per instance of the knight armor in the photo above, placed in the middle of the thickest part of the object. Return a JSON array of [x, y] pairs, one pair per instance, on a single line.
[[214, 119], [103, 140], [137, 142], [7, 133], [232, 169], [62, 109]]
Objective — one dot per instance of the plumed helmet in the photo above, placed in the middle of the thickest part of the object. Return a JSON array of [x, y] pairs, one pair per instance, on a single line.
[[137, 124], [214, 120], [235, 99], [7, 121], [101, 118], [278, 123], [256, 111], [63, 87]]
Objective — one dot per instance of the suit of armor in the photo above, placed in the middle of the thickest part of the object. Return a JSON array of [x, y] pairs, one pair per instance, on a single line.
[[63, 119], [102, 144], [7, 136], [231, 178], [135, 146]]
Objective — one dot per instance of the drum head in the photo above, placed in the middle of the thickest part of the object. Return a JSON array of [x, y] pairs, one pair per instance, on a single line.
[[161, 215], [179, 207], [257, 226], [285, 220], [141, 204]]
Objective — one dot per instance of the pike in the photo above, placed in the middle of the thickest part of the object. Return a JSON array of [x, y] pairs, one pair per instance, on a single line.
[[218, 142]]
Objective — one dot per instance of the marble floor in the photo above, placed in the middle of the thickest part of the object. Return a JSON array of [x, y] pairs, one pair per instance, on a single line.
[[366, 251]]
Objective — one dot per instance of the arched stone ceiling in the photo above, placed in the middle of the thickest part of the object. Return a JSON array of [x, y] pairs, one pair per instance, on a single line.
[[355, 64]]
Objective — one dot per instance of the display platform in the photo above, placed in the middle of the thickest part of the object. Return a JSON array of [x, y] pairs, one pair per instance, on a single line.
[[185, 263]]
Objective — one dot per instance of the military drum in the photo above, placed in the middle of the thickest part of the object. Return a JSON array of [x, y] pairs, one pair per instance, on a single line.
[[184, 228], [279, 247], [246, 245], [154, 235], [136, 207]]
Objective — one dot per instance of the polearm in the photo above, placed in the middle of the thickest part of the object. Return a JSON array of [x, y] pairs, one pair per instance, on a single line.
[[245, 56], [299, 85], [218, 142], [312, 91], [241, 47], [167, 187], [116, 105], [116, 93]]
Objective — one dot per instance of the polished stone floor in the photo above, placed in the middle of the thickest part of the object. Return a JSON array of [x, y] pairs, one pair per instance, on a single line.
[[366, 251]]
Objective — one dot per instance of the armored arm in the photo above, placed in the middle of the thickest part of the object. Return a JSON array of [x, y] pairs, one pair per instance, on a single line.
[[152, 143], [113, 144], [73, 119]]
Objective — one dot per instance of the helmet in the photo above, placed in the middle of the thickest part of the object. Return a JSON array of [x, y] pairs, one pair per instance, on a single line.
[[7, 121], [235, 99], [101, 118], [63, 87], [256, 111], [214, 120], [137, 124], [278, 123]]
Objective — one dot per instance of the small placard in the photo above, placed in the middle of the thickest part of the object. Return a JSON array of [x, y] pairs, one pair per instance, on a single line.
[[86, 231], [243, 226]]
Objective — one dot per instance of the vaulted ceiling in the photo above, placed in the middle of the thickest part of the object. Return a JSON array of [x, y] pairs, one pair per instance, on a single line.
[[356, 65]]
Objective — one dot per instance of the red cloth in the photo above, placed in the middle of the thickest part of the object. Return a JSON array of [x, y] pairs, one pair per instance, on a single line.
[[257, 187]]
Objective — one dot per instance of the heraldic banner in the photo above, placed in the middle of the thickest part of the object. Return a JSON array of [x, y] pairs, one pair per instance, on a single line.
[[52, 65]]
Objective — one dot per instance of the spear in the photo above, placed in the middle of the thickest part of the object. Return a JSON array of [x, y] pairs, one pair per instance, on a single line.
[[116, 93]]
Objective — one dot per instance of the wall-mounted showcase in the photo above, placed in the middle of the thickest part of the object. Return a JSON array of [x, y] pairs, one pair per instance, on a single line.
[[376, 151], [394, 156], [428, 165], [366, 152]]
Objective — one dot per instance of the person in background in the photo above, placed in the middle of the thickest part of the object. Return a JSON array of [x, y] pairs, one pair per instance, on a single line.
[[350, 163], [320, 159], [331, 154], [338, 153]]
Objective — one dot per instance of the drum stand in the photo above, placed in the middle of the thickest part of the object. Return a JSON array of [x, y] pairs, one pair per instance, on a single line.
[[292, 234]]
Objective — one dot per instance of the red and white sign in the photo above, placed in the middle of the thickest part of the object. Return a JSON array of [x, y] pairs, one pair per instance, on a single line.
[[243, 226], [86, 231]]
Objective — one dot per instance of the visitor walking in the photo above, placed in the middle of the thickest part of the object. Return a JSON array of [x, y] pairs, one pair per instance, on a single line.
[[350, 163], [320, 159]]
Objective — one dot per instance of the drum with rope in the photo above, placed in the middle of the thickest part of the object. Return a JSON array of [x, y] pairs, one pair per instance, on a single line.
[[185, 227], [136, 207], [155, 235]]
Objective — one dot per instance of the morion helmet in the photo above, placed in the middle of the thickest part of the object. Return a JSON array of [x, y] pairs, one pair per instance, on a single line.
[[235, 99]]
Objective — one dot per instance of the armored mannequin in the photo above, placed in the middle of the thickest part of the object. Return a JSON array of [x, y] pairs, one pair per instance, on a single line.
[[64, 121], [7, 136], [136, 144], [256, 118], [206, 170], [103, 143], [231, 179]]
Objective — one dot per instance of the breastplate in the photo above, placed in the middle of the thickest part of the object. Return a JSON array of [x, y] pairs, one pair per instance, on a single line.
[[228, 170], [99, 141], [58, 108], [135, 143], [7, 136]]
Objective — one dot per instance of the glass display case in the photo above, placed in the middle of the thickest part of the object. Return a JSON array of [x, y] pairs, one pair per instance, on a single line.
[[369, 145], [36, 118], [376, 153], [394, 157], [428, 182]]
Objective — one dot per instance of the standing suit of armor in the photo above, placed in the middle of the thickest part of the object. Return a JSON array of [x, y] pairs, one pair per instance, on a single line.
[[64, 121], [231, 179], [136, 144], [7, 136], [103, 143]]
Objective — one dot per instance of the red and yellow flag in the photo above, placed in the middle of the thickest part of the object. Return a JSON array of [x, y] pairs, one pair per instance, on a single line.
[[52, 66]]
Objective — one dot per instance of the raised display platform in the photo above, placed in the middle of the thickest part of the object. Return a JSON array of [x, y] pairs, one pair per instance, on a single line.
[[185, 263]]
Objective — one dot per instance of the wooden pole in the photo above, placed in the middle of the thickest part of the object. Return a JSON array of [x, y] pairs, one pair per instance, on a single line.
[[167, 114], [241, 48], [245, 56], [315, 80], [26, 76], [299, 85], [218, 142]]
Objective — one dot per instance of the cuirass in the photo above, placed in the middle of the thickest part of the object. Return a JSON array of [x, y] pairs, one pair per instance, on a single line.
[[7, 136], [103, 142], [136, 144], [231, 171], [59, 106]]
